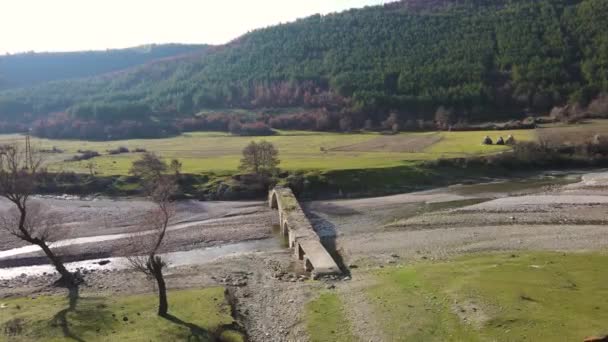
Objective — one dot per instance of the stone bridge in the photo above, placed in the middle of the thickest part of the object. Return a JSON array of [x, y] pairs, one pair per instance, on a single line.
[[302, 237]]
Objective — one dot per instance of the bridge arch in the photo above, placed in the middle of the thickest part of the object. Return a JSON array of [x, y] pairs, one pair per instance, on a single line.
[[274, 204], [302, 238]]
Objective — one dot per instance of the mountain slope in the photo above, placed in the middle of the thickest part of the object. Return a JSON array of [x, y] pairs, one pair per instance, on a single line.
[[476, 59], [26, 69]]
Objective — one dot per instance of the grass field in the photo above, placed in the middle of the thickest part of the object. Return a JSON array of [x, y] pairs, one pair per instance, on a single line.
[[498, 297], [204, 152], [198, 315], [326, 321]]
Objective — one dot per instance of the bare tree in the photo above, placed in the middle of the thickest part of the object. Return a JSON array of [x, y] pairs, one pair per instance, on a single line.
[[260, 158], [443, 118], [19, 173], [149, 167], [147, 244], [176, 167], [91, 166]]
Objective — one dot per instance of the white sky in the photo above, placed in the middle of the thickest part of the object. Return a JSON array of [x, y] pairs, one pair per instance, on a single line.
[[68, 25]]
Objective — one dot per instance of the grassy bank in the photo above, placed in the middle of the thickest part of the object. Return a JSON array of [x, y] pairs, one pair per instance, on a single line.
[[496, 297], [198, 315]]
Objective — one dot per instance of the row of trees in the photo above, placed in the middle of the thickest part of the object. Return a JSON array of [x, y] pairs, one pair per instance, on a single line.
[[29, 221]]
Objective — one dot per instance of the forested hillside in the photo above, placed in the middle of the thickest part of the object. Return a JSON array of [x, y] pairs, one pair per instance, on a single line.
[[402, 63], [25, 69]]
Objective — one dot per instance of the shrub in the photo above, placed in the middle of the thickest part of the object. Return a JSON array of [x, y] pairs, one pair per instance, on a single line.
[[119, 150], [255, 129], [84, 155]]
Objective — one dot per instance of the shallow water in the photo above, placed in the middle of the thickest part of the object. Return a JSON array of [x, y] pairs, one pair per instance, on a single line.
[[174, 259], [93, 239], [507, 187]]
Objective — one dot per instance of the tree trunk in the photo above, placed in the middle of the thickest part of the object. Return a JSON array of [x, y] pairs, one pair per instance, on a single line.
[[157, 270], [66, 276]]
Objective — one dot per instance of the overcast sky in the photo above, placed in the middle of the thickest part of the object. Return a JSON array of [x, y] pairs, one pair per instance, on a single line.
[[68, 25]]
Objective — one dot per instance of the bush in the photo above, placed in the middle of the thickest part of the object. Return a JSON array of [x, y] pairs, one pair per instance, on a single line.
[[254, 129], [119, 150], [84, 155]]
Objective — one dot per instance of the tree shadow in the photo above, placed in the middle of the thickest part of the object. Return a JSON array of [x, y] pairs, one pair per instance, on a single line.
[[197, 333], [91, 315], [61, 318]]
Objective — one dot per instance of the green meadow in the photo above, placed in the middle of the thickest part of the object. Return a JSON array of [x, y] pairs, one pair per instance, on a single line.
[[197, 315], [495, 297], [202, 152]]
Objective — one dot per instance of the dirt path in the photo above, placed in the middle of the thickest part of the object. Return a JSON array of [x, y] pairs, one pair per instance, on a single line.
[[361, 314]]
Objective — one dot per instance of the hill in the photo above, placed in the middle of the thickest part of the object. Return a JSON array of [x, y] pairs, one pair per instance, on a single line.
[[457, 60], [26, 69]]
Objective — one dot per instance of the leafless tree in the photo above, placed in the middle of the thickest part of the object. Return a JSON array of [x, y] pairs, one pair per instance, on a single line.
[[27, 220], [260, 158], [176, 167], [91, 166], [147, 243], [149, 167]]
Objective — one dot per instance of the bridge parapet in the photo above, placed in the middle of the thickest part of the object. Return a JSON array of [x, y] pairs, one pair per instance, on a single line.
[[302, 236]]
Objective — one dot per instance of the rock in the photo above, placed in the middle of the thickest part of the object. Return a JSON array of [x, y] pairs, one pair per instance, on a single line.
[[103, 262], [597, 339], [353, 266], [396, 256], [125, 319], [347, 278], [330, 287]]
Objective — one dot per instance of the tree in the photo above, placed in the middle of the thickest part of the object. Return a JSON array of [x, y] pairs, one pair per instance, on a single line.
[[91, 166], [28, 221], [346, 124], [443, 118], [176, 167], [260, 158], [149, 168], [147, 244], [391, 121]]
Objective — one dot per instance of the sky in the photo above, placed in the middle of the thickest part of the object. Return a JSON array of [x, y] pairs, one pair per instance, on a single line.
[[71, 25]]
